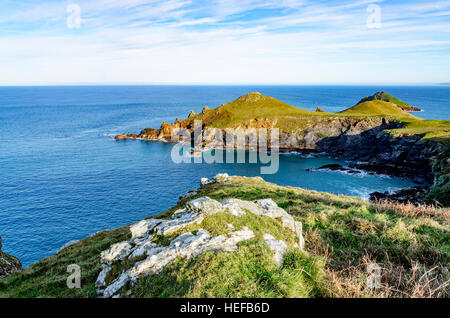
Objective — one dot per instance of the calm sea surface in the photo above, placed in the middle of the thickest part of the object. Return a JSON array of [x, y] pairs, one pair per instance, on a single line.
[[63, 177]]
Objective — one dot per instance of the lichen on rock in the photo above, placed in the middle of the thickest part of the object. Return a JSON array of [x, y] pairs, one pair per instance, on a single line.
[[141, 255], [8, 264]]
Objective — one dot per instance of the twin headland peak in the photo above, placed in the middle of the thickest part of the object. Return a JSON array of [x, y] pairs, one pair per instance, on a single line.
[[376, 131], [270, 240]]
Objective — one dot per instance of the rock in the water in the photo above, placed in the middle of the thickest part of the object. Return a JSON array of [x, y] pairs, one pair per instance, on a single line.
[[8, 264], [277, 246]]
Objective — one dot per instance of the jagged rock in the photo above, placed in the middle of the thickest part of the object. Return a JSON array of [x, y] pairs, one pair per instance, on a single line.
[[187, 245], [174, 225], [277, 246], [204, 205], [244, 205], [144, 227], [222, 177], [116, 252], [205, 109], [205, 181], [187, 195], [8, 264], [233, 207]]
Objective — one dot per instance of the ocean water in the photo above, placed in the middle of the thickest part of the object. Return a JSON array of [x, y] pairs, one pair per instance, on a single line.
[[63, 177]]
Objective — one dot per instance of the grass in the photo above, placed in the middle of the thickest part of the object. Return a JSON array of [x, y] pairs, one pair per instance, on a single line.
[[438, 130], [250, 107], [377, 108], [383, 96], [343, 236]]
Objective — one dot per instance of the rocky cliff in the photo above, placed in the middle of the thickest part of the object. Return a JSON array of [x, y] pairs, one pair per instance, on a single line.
[[8, 264], [367, 139]]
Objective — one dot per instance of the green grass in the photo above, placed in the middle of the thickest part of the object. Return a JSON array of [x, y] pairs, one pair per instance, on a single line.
[[438, 130], [383, 96], [377, 108], [342, 235], [250, 107]]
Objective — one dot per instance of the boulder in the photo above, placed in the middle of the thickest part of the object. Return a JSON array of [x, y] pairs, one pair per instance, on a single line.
[[277, 246], [205, 206], [115, 253], [8, 264]]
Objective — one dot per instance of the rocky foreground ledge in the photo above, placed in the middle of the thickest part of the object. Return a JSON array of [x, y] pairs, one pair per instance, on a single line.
[[141, 256], [243, 237]]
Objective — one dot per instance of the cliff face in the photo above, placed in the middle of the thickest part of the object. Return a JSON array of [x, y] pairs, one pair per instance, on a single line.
[[359, 133], [8, 264]]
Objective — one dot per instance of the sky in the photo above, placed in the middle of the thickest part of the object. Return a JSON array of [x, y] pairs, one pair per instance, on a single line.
[[49, 42]]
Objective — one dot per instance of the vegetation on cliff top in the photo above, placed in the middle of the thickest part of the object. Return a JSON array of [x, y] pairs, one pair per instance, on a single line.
[[343, 236], [383, 96], [377, 108]]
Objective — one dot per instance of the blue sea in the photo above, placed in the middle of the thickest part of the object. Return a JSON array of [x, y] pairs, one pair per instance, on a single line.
[[63, 177]]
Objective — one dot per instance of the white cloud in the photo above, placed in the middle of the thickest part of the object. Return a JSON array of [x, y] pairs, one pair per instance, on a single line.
[[180, 41]]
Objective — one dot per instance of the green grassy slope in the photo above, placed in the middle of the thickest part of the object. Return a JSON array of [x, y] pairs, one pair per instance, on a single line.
[[377, 108], [343, 235], [383, 96], [250, 107]]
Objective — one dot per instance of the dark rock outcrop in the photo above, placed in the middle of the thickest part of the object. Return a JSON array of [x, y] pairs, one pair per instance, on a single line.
[[410, 195], [8, 264]]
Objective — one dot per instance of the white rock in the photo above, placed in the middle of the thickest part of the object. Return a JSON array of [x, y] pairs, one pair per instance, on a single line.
[[171, 226], [230, 227], [116, 252], [232, 207], [229, 244], [102, 276], [142, 249], [244, 206], [299, 232], [205, 181], [277, 246], [144, 227], [222, 177], [205, 206], [266, 204], [187, 195], [115, 286]]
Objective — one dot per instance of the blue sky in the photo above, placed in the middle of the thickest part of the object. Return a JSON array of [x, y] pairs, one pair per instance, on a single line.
[[224, 42]]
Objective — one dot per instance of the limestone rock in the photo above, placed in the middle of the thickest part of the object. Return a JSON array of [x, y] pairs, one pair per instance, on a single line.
[[116, 252], [8, 264], [144, 227], [205, 109], [277, 246], [205, 206], [187, 245], [192, 114], [187, 195], [233, 207]]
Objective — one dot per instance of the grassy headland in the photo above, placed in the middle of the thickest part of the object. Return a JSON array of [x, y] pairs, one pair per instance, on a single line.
[[343, 235]]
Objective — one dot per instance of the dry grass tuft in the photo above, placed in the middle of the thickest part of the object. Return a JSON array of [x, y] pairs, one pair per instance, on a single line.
[[411, 210]]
